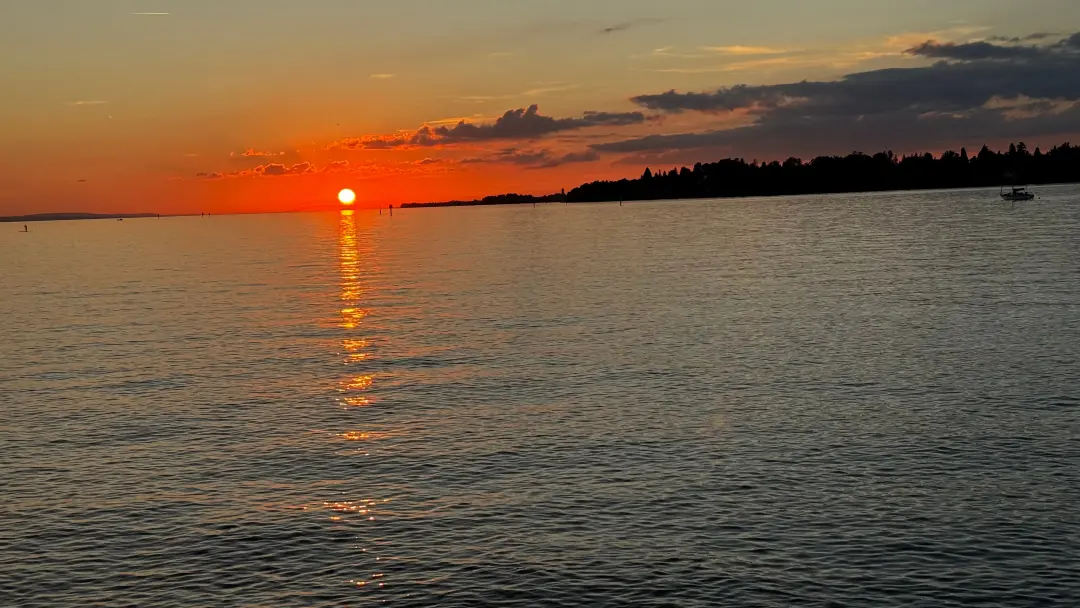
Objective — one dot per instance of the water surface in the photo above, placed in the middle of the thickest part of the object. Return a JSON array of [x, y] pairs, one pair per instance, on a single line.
[[859, 400]]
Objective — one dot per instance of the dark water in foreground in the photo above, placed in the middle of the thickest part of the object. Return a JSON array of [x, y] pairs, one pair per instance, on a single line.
[[866, 400]]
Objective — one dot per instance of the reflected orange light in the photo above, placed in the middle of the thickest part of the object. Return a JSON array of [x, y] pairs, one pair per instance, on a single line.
[[353, 345], [357, 401], [359, 383]]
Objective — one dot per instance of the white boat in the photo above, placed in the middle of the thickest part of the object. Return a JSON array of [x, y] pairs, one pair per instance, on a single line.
[[1016, 193]]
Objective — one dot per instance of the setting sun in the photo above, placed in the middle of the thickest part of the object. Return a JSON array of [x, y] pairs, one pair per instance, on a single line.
[[346, 196]]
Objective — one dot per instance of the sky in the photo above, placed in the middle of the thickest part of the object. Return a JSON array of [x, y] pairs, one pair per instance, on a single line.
[[231, 106]]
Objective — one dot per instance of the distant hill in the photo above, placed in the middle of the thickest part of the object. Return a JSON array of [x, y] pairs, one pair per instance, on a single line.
[[501, 199], [52, 217]]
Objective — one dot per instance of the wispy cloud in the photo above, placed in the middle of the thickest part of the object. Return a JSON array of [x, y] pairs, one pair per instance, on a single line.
[[743, 58], [744, 50], [251, 152], [149, 13], [382, 76], [625, 25], [86, 102], [533, 158], [539, 90]]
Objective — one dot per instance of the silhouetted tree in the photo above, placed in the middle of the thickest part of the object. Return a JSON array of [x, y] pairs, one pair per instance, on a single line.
[[852, 173]]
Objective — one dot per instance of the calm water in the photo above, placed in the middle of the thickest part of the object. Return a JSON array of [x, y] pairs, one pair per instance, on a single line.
[[867, 400]]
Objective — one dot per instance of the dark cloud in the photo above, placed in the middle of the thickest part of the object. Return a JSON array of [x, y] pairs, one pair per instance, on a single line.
[[982, 91], [973, 51], [840, 135], [1018, 39], [725, 99], [522, 124]]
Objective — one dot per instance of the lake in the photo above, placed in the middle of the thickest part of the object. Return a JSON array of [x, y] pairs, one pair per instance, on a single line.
[[846, 400]]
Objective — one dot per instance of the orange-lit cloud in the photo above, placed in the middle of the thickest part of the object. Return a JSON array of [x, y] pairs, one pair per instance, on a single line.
[[251, 152], [744, 50], [268, 170], [518, 124]]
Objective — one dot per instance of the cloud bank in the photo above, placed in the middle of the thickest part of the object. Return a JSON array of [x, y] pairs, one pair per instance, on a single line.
[[521, 124], [975, 90]]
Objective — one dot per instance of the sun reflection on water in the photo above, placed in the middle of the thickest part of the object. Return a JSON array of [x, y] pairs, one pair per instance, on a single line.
[[356, 385], [352, 310]]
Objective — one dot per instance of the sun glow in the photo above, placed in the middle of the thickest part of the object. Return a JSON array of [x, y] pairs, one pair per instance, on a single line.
[[346, 196]]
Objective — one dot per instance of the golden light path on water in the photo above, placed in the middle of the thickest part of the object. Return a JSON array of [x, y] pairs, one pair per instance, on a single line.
[[354, 386], [352, 312]]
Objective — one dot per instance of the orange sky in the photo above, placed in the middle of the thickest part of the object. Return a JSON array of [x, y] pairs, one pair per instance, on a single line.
[[252, 106]]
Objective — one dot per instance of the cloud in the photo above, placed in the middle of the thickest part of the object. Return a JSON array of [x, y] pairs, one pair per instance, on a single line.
[[1018, 39], [87, 102], [251, 152], [382, 76], [973, 51], [533, 158], [519, 124], [149, 13], [528, 123], [744, 50], [625, 25], [585, 156], [272, 170], [725, 99], [540, 89], [978, 91], [739, 58]]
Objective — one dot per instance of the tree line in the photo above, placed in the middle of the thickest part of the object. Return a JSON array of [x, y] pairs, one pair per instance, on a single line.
[[856, 172], [500, 199]]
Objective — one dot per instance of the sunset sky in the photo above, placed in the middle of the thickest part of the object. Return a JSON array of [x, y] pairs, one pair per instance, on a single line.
[[179, 106]]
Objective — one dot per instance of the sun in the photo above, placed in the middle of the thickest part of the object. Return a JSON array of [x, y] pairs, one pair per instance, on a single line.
[[346, 196]]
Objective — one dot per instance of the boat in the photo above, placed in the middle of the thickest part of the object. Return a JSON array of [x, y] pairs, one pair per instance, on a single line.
[[1016, 193]]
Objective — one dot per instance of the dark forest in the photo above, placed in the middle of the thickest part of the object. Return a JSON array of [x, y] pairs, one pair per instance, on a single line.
[[856, 172]]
